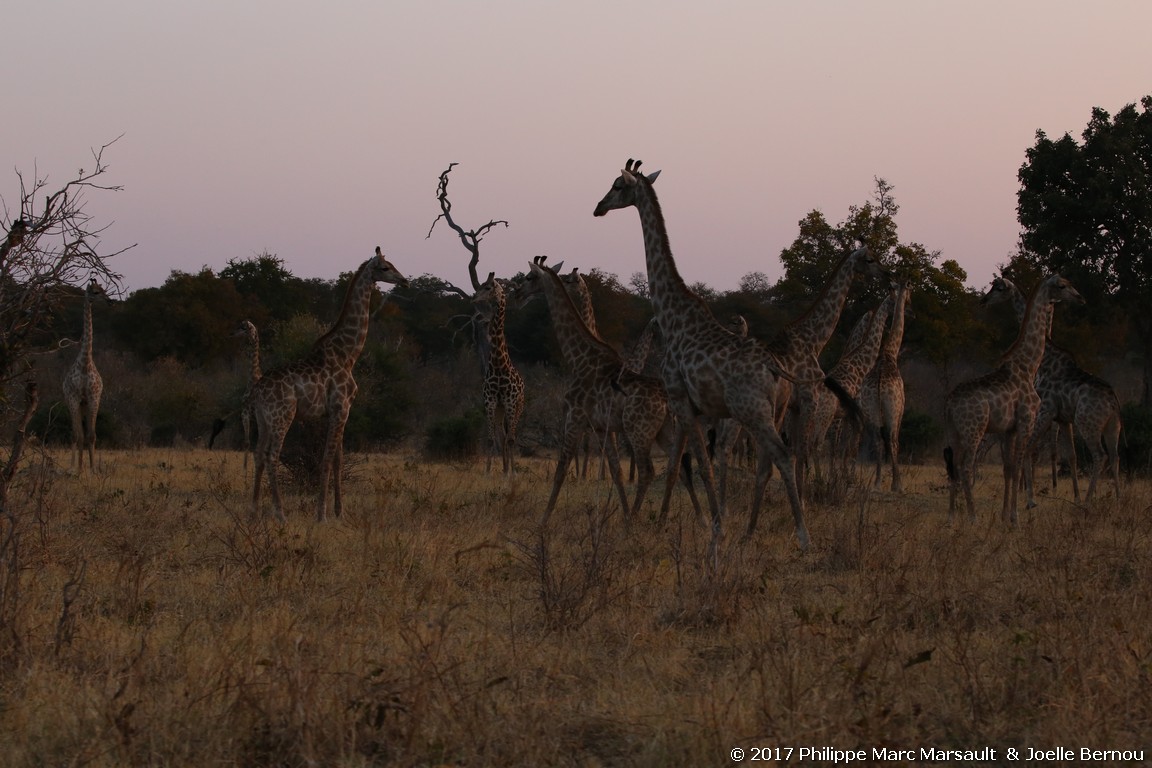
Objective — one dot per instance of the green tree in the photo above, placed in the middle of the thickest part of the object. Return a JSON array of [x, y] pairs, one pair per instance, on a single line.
[[1085, 209], [191, 318], [944, 309], [279, 295]]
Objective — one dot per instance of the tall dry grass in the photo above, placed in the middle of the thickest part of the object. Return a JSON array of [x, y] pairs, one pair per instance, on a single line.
[[145, 619]]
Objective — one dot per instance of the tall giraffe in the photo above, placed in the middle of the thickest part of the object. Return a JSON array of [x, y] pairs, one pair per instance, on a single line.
[[799, 344], [83, 386], [318, 386], [503, 384], [882, 393], [1003, 402], [708, 371], [1072, 399], [850, 370], [252, 336], [602, 397]]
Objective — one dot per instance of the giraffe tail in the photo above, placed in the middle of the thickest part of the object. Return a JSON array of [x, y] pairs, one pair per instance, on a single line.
[[950, 464], [217, 427], [851, 407]]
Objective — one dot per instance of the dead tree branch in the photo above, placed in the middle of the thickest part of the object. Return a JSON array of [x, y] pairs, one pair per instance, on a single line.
[[470, 238], [49, 244]]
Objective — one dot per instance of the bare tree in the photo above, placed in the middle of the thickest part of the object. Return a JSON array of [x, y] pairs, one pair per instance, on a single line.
[[470, 238], [50, 244], [471, 241]]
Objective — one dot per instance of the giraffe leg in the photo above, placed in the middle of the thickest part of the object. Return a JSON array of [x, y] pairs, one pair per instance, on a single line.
[[674, 451], [608, 446], [90, 433], [894, 454], [269, 442], [728, 432], [330, 465], [77, 437], [1112, 445], [1029, 447], [673, 441], [1069, 431], [568, 448], [770, 450]]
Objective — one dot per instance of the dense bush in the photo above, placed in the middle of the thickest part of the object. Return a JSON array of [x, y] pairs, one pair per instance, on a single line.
[[454, 438], [1136, 438]]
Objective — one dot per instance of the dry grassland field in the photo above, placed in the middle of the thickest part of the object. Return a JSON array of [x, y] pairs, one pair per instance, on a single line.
[[145, 619]]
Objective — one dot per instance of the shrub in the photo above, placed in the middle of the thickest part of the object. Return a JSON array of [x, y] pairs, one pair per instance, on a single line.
[[1136, 438], [454, 438], [919, 435]]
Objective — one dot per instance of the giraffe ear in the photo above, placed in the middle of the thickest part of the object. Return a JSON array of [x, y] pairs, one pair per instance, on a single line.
[[652, 177]]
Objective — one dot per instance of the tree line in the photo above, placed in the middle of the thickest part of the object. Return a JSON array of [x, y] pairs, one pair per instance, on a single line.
[[1085, 210]]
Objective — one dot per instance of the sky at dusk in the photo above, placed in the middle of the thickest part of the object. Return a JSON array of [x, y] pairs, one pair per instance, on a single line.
[[318, 131]]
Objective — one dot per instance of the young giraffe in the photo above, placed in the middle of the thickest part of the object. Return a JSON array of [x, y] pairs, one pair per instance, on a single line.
[[249, 332], [1072, 399], [1002, 402], [503, 384], [882, 393], [799, 344], [708, 371], [320, 385], [853, 366], [83, 386], [602, 397]]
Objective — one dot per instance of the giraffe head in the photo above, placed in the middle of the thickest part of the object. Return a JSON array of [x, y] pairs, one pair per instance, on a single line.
[[384, 272], [94, 292], [738, 325], [528, 286], [245, 329], [1002, 289], [1055, 289], [867, 265], [625, 188], [490, 298]]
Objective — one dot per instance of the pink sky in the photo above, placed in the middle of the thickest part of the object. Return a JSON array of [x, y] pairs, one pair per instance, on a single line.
[[317, 131]]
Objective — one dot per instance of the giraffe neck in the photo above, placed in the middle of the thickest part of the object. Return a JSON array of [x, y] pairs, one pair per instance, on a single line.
[[810, 332], [253, 355], [342, 344], [84, 359], [677, 308], [1028, 349], [891, 348], [498, 359], [1020, 306], [859, 359], [639, 356], [581, 297], [582, 350]]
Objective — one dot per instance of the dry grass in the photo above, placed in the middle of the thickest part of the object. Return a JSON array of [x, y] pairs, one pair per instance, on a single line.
[[146, 620]]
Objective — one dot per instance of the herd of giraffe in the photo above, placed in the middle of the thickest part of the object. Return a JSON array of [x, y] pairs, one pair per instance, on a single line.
[[712, 375]]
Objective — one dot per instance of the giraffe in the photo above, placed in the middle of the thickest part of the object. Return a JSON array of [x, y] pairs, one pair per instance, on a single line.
[[602, 397], [503, 384], [882, 393], [320, 385], [858, 358], [577, 290], [799, 344], [1002, 402], [249, 332], [83, 386], [708, 371], [1075, 401]]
